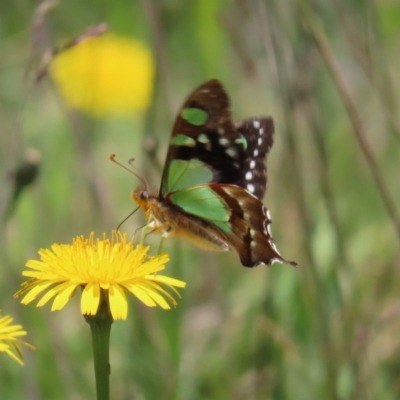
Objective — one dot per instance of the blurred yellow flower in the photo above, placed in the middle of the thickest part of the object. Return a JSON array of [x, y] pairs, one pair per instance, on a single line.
[[113, 265], [8, 338], [105, 75]]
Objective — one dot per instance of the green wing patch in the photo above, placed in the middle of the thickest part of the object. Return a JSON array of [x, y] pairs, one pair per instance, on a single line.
[[204, 203], [183, 174], [242, 141], [195, 116], [183, 140]]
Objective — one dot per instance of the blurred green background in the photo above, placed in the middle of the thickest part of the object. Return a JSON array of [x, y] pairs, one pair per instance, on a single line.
[[328, 72]]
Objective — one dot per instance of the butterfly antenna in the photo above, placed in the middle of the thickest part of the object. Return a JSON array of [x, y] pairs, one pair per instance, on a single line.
[[130, 215], [133, 171], [139, 174]]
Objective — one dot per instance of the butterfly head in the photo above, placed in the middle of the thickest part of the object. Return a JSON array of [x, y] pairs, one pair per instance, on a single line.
[[148, 201], [142, 197]]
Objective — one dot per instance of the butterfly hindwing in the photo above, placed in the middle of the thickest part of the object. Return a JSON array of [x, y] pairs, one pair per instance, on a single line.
[[259, 134], [250, 227], [203, 202], [242, 220]]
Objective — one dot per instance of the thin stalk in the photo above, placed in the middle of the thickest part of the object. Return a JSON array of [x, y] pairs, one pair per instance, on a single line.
[[327, 186], [361, 51], [100, 328], [155, 22], [315, 285], [355, 119]]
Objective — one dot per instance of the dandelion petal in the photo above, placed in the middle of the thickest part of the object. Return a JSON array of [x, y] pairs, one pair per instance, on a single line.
[[90, 299], [118, 302], [8, 338], [141, 295], [167, 280], [38, 288], [153, 290], [35, 264], [62, 298]]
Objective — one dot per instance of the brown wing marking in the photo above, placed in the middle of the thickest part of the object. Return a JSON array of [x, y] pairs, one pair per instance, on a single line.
[[250, 223]]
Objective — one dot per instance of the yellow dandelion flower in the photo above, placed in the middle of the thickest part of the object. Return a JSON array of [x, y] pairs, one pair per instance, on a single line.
[[8, 338], [105, 75], [113, 265]]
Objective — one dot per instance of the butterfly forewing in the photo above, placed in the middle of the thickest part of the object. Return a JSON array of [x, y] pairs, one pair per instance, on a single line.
[[259, 135], [204, 142]]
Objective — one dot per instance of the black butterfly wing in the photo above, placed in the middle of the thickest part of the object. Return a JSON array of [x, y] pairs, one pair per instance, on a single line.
[[259, 135], [205, 146]]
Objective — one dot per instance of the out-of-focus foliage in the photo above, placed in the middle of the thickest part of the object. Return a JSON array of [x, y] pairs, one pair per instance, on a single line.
[[327, 71]]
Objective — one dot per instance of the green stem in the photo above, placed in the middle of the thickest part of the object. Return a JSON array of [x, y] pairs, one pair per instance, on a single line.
[[100, 327]]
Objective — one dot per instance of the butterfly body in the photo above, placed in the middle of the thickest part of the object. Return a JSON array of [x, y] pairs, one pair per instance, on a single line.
[[171, 221], [214, 180]]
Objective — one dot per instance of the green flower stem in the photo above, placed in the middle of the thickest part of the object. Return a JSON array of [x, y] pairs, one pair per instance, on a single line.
[[100, 327]]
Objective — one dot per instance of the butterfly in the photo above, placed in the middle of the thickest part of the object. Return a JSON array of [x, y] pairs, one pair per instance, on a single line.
[[214, 180]]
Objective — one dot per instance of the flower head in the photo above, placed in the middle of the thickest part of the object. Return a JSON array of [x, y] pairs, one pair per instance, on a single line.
[[8, 338], [113, 265], [105, 75]]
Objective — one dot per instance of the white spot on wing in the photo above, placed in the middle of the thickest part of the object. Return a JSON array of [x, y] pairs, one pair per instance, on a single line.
[[261, 132], [203, 138], [249, 175], [232, 152], [252, 164], [251, 188], [255, 153], [223, 141], [256, 124], [259, 141]]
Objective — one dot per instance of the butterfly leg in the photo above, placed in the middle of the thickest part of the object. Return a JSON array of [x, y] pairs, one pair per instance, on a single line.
[[161, 245], [140, 227], [148, 224]]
